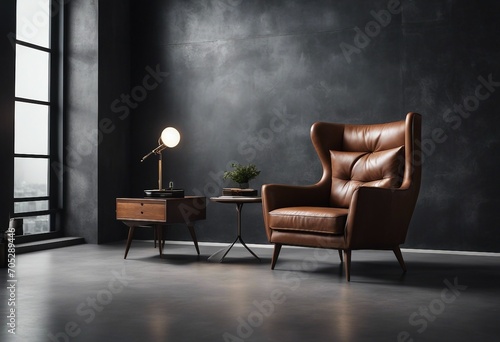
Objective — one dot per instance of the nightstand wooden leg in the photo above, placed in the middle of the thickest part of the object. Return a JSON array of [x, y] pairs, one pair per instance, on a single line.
[[156, 238], [193, 236], [159, 234], [129, 240]]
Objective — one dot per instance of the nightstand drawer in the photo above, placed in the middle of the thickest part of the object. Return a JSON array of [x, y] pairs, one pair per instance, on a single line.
[[140, 210]]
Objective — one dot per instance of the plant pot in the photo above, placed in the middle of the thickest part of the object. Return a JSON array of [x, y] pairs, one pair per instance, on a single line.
[[243, 185]]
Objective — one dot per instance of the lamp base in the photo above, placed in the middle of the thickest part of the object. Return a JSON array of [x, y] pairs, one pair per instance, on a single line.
[[165, 193]]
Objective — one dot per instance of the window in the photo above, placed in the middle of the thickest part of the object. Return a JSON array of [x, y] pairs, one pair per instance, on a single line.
[[36, 114]]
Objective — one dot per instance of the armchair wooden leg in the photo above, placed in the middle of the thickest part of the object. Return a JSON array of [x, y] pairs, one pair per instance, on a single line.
[[399, 256], [277, 250], [340, 256], [347, 257]]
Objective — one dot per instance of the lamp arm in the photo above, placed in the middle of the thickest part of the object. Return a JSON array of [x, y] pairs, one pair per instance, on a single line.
[[157, 150]]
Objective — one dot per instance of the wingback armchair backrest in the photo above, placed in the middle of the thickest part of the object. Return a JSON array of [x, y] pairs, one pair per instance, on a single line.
[[381, 155]]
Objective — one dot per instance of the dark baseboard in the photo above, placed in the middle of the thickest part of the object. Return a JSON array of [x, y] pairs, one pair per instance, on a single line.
[[48, 244]]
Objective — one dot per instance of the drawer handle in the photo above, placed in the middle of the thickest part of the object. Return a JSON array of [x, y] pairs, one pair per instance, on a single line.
[[142, 212]]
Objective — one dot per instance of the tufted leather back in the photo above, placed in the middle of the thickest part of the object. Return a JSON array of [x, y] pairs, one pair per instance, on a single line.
[[364, 155]]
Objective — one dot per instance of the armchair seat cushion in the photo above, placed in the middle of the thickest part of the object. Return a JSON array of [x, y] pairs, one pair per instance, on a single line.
[[326, 220]]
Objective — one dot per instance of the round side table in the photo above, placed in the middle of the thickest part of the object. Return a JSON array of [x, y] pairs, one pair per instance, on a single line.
[[239, 201]]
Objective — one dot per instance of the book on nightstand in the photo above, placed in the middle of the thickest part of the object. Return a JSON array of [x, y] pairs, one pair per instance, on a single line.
[[238, 192]]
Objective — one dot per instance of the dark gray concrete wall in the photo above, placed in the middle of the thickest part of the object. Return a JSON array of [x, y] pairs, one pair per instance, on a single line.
[[451, 74], [246, 79], [113, 127], [97, 137], [81, 120]]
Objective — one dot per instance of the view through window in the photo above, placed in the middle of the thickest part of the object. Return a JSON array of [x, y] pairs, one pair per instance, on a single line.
[[32, 122]]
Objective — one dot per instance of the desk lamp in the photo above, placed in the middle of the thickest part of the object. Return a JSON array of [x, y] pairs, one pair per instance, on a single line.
[[169, 137]]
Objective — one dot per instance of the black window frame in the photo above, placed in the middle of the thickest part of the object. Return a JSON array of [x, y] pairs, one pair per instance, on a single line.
[[56, 105]]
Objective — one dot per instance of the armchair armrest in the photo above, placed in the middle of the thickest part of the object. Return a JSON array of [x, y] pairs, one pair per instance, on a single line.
[[276, 196], [379, 217]]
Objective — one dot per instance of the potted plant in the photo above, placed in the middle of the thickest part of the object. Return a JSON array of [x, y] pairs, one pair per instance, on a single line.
[[242, 174]]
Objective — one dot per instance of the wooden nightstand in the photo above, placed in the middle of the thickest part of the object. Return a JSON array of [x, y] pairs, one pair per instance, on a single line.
[[158, 212]]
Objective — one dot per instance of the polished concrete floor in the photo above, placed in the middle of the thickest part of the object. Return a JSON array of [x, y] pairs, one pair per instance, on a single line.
[[90, 293]]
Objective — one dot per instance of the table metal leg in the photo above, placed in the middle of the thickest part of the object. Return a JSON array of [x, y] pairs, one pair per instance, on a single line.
[[221, 254]]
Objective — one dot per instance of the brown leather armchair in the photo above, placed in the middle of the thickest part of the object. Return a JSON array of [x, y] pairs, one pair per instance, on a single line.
[[365, 198]]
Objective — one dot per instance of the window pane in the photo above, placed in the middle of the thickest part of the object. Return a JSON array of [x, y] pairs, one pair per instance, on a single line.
[[36, 224], [33, 22], [22, 207], [31, 177], [32, 73], [31, 129]]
